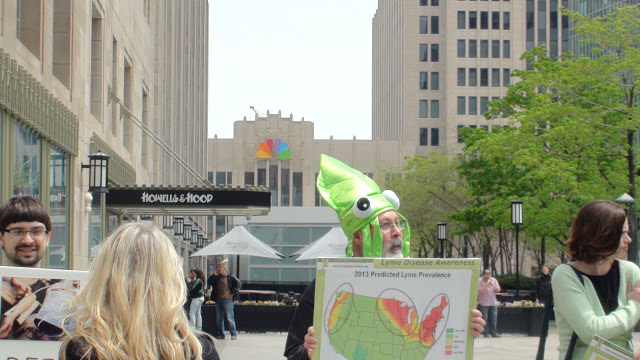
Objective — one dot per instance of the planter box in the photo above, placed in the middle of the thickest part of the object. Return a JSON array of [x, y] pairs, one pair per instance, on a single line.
[[520, 320], [252, 318]]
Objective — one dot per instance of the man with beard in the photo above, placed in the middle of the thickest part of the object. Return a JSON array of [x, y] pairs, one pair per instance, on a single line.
[[370, 220], [25, 231]]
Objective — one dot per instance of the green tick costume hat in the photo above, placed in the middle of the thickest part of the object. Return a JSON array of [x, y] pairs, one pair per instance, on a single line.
[[358, 201]]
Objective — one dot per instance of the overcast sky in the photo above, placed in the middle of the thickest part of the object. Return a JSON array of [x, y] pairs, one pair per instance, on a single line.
[[308, 58]]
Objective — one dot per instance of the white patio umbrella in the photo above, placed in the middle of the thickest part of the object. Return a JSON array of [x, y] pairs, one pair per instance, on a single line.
[[332, 244], [239, 241]]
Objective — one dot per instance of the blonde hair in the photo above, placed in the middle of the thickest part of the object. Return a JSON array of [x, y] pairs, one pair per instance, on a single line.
[[131, 304]]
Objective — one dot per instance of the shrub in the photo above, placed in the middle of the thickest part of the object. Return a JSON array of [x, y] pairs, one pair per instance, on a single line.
[[508, 282]]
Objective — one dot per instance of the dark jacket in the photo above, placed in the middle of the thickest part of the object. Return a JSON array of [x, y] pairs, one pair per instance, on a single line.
[[77, 348], [234, 285], [543, 286], [302, 319]]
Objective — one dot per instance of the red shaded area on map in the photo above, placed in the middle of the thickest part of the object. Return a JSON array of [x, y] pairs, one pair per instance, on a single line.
[[404, 318]]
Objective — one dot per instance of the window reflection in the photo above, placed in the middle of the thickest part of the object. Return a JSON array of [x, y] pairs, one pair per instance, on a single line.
[[26, 171], [59, 209]]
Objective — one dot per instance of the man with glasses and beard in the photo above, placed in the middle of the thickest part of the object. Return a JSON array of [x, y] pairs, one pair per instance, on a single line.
[[370, 220], [25, 231]]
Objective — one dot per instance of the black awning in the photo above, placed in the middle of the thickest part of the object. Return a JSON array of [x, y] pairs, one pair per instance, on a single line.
[[195, 201]]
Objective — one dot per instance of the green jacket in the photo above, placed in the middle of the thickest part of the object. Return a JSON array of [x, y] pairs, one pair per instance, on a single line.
[[578, 309]]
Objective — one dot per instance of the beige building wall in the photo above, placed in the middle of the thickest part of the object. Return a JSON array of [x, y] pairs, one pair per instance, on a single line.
[[397, 68], [238, 155], [135, 75]]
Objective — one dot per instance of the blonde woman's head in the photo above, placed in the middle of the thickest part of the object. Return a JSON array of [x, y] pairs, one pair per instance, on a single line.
[[131, 304]]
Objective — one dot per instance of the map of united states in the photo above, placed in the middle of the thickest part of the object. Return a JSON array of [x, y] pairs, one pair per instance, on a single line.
[[363, 327]]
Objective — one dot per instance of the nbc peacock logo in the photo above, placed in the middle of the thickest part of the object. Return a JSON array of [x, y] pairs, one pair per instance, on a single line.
[[271, 147]]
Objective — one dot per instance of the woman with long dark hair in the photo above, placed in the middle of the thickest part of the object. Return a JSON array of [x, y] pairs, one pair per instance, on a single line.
[[195, 284], [597, 293]]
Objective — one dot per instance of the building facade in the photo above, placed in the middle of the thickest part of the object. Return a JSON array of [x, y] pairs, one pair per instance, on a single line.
[[282, 154], [128, 78], [438, 64], [592, 8]]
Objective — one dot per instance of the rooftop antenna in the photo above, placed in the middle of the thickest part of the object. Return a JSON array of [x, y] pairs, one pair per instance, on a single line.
[[256, 111]]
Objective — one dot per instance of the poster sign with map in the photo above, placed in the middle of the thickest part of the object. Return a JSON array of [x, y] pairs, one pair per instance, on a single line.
[[387, 309]]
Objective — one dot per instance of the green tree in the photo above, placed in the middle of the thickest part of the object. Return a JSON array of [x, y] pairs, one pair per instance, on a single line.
[[573, 125]]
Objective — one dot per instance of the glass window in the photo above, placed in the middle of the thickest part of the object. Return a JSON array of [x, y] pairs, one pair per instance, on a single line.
[[473, 19], [506, 49], [249, 178], [435, 137], [462, 105], [435, 81], [59, 204], [461, 46], [495, 49], [495, 20], [424, 2], [284, 187], [435, 52], [424, 108], [462, 74], [262, 177], [435, 2], [506, 20], [473, 105], [435, 109], [484, 104], [506, 77], [495, 77], [473, 48], [210, 176], [484, 20], [460, 139], [435, 25], [484, 77], [461, 19], [423, 136], [424, 80], [27, 162], [229, 178], [273, 183], [95, 227], [424, 22], [484, 49], [473, 77], [220, 226], [297, 188], [221, 178], [424, 52]]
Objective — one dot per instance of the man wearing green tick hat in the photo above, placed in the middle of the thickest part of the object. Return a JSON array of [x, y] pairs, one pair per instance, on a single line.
[[370, 220]]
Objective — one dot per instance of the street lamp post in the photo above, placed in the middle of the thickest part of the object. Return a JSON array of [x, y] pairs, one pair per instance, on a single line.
[[442, 235], [633, 225], [516, 219]]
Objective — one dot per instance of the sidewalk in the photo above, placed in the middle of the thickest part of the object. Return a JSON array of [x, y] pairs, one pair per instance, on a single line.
[[270, 346]]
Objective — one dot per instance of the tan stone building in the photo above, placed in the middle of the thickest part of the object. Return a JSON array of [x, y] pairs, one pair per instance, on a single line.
[[128, 78]]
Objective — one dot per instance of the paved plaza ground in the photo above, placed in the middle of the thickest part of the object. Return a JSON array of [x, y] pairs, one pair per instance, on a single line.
[[270, 346]]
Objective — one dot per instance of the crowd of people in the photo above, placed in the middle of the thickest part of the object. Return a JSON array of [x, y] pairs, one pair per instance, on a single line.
[[131, 305]]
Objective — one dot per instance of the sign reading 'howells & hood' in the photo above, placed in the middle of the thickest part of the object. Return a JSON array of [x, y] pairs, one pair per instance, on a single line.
[[187, 197]]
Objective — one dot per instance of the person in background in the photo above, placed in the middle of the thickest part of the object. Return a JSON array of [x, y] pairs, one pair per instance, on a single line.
[[195, 285], [224, 288], [597, 293], [25, 231], [487, 288], [375, 229], [543, 285], [130, 306]]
